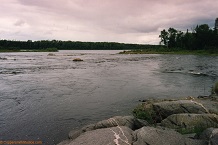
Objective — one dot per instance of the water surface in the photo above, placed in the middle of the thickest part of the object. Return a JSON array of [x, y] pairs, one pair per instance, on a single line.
[[44, 97]]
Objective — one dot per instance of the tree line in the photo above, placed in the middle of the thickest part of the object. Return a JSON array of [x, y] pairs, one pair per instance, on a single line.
[[70, 45], [202, 37]]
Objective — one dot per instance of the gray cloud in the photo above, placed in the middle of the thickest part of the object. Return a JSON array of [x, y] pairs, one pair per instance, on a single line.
[[19, 23], [131, 21]]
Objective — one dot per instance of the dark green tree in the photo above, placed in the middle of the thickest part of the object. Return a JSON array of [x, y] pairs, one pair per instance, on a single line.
[[172, 37], [164, 35], [203, 35], [180, 39]]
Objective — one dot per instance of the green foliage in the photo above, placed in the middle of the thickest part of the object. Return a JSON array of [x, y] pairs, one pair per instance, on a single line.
[[202, 38], [164, 50], [214, 89], [47, 45], [145, 114], [10, 49], [164, 37], [51, 49]]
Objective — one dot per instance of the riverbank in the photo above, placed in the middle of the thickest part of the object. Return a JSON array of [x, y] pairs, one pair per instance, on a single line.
[[171, 51], [185, 121]]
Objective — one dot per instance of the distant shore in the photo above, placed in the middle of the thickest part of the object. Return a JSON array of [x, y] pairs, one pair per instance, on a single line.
[[29, 50], [134, 51], [173, 51]]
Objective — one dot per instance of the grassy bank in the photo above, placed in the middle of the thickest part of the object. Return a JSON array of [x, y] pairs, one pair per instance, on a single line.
[[172, 51]]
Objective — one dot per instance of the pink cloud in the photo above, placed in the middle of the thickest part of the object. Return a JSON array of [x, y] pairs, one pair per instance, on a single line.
[[89, 20]]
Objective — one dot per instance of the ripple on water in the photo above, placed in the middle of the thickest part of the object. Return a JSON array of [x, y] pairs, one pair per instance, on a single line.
[[47, 96]]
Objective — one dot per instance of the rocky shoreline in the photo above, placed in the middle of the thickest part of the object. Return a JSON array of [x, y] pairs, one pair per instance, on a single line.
[[184, 121]]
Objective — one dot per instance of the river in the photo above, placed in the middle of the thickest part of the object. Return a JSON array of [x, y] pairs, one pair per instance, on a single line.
[[44, 97]]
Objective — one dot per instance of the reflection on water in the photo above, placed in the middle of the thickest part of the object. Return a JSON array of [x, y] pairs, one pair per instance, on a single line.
[[43, 97]]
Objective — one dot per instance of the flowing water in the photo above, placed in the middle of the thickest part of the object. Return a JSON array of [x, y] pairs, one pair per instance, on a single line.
[[43, 97]]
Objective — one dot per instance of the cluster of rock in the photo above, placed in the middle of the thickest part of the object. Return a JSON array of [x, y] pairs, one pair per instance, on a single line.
[[190, 121]]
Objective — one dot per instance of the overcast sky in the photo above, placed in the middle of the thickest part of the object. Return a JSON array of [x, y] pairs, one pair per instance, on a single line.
[[127, 21]]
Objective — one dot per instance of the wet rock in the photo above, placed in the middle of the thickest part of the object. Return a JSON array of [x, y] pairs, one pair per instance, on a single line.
[[128, 121], [65, 142], [210, 135], [77, 59], [115, 135], [189, 123], [155, 136]]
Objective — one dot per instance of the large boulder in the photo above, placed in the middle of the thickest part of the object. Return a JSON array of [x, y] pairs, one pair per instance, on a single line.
[[128, 121], [167, 108], [210, 135], [155, 136], [189, 123], [171, 117], [154, 111], [119, 135]]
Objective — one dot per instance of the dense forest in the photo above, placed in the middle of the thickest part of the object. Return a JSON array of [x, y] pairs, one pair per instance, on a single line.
[[202, 37], [69, 45]]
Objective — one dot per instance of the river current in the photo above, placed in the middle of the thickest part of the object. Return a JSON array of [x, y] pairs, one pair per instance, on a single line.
[[43, 97]]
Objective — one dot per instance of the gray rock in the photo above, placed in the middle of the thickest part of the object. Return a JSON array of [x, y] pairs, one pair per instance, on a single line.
[[167, 108], [184, 116], [211, 104], [65, 142], [116, 135], [189, 123], [155, 136], [191, 135], [75, 133], [210, 135], [128, 121]]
